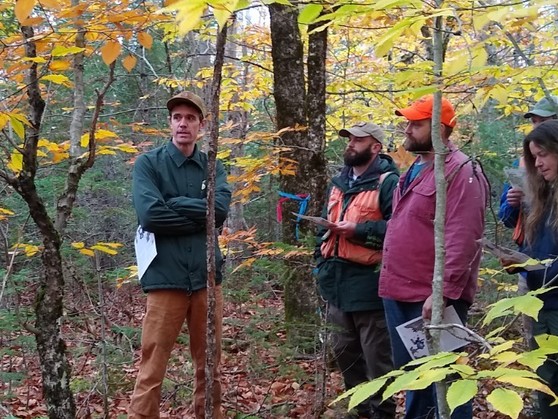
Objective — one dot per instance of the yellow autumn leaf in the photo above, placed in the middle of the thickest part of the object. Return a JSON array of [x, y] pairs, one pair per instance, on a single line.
[[58, 79], [23, 9], [223, 12], [59, 65], [4, 118], [58, 156], [105, 150], [84, 140], [38, 60], [115, 245], [61, 51], [500, 94], [480, 56], [104, 249], [31, 250], [189, 13], [145, 40], [52, 4], [87, 252], [5, 211], [17, 126], [16, 162], [127, 148], [110, 51], [506, 401], [102, 134], [129, 62], [78, 245]]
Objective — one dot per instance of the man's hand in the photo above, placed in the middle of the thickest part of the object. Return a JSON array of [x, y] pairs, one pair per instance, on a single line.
[[427, 308], [514, 197], [344, 228]]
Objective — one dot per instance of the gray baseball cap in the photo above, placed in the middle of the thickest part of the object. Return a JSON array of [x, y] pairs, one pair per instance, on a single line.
[[364, 129], [543, 108]]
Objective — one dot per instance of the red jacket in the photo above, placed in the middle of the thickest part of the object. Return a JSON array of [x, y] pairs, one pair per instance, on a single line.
[[408, 255]]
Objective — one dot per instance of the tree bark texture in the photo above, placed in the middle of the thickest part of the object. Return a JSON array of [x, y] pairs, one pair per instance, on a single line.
[[239, 117], [305, 145], [55, 367], [440, 151], [210, 349]]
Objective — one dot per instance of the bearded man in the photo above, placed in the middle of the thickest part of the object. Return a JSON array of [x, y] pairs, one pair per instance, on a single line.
[[348, 256], [408, 258]]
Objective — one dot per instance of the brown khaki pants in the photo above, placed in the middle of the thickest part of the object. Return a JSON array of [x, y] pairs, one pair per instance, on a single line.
[[165, 314]]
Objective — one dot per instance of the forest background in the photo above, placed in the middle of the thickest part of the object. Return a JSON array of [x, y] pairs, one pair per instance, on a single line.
[[83, 87]]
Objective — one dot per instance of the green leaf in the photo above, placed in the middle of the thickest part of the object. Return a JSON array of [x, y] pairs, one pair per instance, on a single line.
[[309, 13], [548, 342], [460, 392], [498, 309], [463, 370], [401, 383], [507, 357], [529, 305], [439, 360], [429, 377], [365, 390], [506, 401]]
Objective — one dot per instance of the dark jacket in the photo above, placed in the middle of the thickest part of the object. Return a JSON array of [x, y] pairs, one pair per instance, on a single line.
[[169, 195], [348, 285], [544, 246]]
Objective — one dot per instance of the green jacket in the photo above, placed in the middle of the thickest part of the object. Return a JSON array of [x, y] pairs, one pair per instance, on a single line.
[[169, 195], [348, 285]]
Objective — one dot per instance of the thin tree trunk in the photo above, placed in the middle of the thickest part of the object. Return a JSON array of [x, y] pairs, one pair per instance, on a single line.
[[440, 151], [210, 226], [55, 367], [78, 114], [235, 220]]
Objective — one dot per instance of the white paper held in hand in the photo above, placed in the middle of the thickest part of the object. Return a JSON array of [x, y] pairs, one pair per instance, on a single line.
[[146, 249], [413, 336]]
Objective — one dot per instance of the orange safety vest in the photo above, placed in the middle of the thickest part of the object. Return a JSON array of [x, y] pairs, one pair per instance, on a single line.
[[364, 206]]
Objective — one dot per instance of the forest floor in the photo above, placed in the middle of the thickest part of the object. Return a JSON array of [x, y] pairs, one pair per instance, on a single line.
[[262, 376]]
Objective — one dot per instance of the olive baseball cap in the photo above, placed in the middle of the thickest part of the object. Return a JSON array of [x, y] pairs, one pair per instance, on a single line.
[[364, 129], [187, 98], [543, 108]]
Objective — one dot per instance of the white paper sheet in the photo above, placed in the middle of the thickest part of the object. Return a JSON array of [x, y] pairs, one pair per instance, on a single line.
[[414, 338], [146, 249]]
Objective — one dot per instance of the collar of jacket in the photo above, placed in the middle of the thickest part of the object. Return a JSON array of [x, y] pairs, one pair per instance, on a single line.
[[179, 158]]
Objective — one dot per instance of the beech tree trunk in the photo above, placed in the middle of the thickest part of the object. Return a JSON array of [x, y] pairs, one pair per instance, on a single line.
[[294, 108]]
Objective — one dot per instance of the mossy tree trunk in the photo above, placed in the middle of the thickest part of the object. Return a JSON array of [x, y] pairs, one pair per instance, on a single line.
[[305, 142]]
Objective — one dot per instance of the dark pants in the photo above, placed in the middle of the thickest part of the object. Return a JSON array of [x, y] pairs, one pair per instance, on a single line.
[[547, 323], [360, 342], [419, 404]]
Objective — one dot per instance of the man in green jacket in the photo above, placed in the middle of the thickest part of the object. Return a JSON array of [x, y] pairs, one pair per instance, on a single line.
[[349, 255], [169, 195]]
